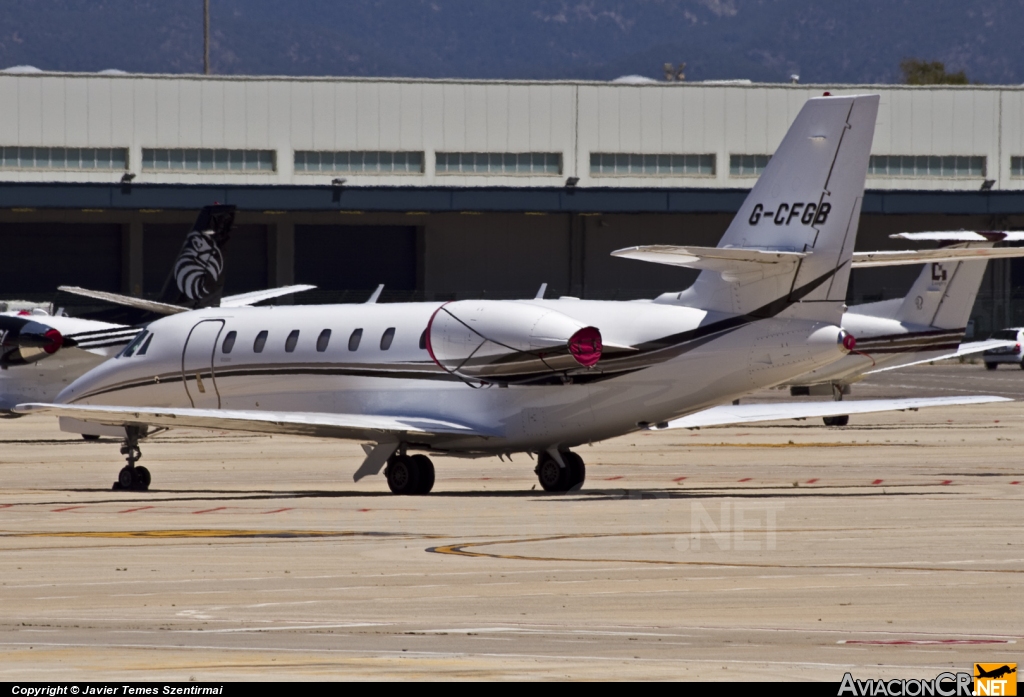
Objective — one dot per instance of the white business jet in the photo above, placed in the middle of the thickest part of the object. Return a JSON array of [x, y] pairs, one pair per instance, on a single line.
[[41, 354], [483, 378], [926, 325]]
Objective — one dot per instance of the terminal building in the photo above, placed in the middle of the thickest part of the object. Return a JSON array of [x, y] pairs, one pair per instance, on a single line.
[[456, 188]]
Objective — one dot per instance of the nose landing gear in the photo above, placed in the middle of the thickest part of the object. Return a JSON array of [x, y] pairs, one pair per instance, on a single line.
[[554, 477], [132, 477]]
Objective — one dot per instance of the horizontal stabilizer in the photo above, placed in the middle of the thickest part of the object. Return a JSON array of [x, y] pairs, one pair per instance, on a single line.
[[863, 260], [750, 413], [348, 426], [126, 300], [961, 236], [253, 297], [964, 350], [737, 260]]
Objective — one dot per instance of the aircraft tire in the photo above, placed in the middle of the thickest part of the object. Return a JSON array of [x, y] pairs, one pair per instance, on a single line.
[[90, 436], [577, 469], [141, 478], [552, 476], [402, 475], [991, 366], [426, 473], [126, 479], [836, 420]]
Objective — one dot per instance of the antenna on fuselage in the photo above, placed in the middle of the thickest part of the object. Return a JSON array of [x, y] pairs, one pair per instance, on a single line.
[[541, 291], [376, 294]]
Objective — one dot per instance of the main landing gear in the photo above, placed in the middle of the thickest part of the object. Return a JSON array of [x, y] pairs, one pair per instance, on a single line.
[[132, 477], [554, 477], [409, 474], [837, 396]]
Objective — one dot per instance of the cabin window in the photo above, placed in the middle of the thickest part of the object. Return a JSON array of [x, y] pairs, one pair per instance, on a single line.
[[323, 340], [353, 341], [229, 342], [387, 338], [145, 346], [130, 349], [261, 341], [423, 339], [291, 341]]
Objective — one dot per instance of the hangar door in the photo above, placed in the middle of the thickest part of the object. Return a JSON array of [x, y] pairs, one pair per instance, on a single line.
[[38, 257], [346, 261]]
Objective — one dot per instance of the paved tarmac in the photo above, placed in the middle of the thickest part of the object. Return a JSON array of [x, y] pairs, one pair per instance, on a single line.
[[893, 547]]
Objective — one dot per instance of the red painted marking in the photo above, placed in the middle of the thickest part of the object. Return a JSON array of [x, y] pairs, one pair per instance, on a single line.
[[364, 510], [944, 482], [211, 510], [919, 642], [745, 479], [485, 479], [279, 510], [1014, 482], [132, 510], [678, 479], [6, 505], [811, 481], [878, 481], [69, 508], [612, 479], [996, 421]]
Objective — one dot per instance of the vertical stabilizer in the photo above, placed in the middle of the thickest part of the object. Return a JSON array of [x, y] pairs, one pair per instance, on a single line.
[[807, 200], [197, 278], [944, 293]]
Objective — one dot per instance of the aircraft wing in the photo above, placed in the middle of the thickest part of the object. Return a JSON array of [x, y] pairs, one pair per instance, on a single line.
[[736, 259], [253, 297], [863, 260], [750, 413], [961, 236], [126, 300], [347, 426], [964, 350]]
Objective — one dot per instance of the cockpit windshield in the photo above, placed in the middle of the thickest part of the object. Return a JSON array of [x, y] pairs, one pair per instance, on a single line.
[[134, 345]]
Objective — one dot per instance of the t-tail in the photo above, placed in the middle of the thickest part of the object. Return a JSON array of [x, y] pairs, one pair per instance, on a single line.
[[798, 225], [197, 278]]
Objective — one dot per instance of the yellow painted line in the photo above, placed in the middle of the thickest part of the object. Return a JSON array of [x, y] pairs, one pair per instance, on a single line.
[[462, 550]]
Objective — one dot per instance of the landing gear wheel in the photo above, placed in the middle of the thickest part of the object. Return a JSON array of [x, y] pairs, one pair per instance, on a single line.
[[141, 478], [993, 366], [426, 473], [554, 477], [90, 436], [125, 479], [577, 470], [836, 420], [403, 476]]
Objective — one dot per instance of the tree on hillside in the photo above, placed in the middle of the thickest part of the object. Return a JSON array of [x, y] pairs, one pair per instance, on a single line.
[[919, 72]]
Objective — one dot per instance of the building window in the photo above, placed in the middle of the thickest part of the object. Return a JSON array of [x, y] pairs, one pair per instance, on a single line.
[[499, 163], [103, 159], [747, 165], [1017, 166], [206, 160], [926, 166], [629, 164], [359, 162]]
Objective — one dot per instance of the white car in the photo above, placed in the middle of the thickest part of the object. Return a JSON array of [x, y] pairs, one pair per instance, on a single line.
[[1008, 354]]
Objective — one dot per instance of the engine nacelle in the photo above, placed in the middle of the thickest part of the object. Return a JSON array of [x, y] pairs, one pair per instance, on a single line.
[[24, 341], [509, 342]]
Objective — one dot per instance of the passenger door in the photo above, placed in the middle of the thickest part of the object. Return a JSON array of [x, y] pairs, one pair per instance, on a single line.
[[197, 364]]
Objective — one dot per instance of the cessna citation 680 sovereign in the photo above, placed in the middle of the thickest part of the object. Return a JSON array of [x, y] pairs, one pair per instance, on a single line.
[[482, 378]]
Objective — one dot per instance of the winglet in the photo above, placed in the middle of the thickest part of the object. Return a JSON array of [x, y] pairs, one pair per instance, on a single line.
[[541, 291], [376, 295]]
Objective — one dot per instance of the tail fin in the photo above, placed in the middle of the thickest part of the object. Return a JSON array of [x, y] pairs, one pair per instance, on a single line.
[[807, 200], [943, 295], [197, 279]]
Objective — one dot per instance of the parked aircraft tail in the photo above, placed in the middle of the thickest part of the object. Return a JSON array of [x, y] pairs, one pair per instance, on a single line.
[[197, 278], [805, 206]]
